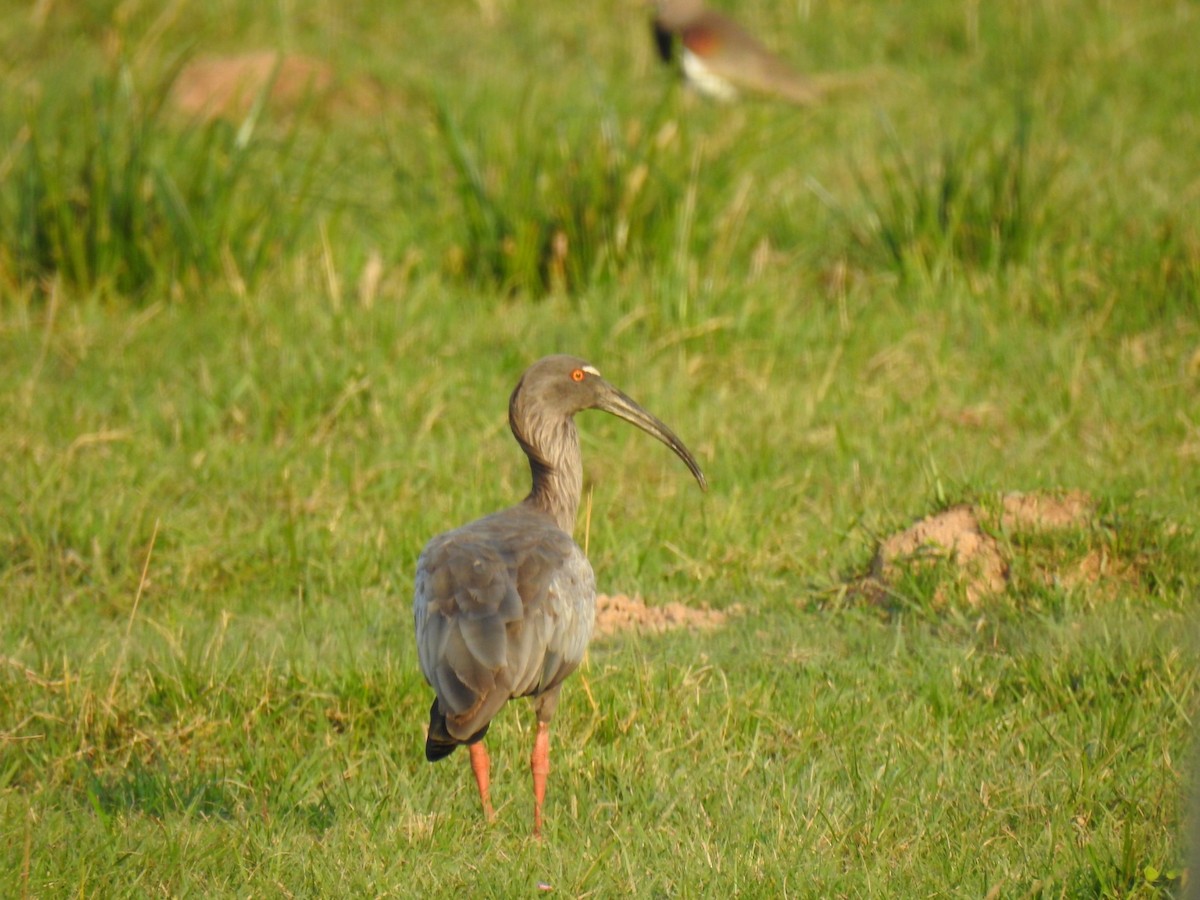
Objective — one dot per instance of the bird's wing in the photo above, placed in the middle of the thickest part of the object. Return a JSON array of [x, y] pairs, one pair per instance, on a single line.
[[738, 56], [560, 611], [503, 608]]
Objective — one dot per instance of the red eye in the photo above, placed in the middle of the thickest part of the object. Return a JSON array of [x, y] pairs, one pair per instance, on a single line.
[[578, 375]]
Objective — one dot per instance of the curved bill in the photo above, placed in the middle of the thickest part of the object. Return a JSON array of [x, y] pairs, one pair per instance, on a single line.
[[613, 401]]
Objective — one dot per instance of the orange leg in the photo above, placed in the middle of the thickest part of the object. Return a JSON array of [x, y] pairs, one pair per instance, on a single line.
[[481, 765], [540, 764]]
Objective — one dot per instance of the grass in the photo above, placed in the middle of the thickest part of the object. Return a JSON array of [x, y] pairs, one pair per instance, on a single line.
[[977, 207], [115, 202], [215, 489], [564, 212]]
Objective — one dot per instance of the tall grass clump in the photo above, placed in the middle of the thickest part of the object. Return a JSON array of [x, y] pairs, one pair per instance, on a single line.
[[108, 194], [981, 204], [1154, 268], [556, 210]]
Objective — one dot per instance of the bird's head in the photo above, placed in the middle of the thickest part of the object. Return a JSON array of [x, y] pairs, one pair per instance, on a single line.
[[675, 13], [678, 7], [557, 387]]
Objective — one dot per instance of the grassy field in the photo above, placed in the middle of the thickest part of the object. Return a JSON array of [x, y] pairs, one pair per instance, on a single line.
[[250, 367]]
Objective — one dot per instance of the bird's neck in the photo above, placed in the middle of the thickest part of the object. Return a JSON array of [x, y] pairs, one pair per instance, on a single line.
[[552, 445]]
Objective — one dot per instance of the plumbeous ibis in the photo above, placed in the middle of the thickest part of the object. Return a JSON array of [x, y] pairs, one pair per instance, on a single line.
[[504, 606]]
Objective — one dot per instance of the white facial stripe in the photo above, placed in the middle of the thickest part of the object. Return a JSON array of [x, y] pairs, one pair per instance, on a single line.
[[591, 371]]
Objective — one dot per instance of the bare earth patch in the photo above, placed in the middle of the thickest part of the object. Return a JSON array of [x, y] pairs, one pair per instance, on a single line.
[[1041, 511], [956, 535], [227, 86], [620, 612]]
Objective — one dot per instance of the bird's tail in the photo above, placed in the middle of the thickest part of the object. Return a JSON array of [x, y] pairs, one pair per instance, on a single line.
[[440, 743], [809, 89], [826, 83]]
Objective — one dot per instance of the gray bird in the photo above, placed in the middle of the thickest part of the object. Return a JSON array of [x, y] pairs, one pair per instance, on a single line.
[[720, 58], [504, 606]]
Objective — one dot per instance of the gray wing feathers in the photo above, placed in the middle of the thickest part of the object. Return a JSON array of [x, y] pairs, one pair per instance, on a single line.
[[503, 608], [575, 586], [557, 630]]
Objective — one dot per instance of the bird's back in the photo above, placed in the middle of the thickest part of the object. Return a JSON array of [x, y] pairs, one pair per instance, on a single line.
[[504, 607], [717, 49]]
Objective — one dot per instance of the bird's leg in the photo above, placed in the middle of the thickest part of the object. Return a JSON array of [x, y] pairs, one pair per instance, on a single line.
[[539, 763], [481, 765]]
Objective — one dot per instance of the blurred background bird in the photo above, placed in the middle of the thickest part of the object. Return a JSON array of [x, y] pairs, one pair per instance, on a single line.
[[720, 59]]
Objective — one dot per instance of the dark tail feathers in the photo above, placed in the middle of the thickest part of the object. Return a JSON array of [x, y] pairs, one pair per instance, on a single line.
[[439, 743]]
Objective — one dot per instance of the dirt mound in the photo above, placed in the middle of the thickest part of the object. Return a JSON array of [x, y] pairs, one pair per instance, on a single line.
[[227, 86], [953, 534], [956, 535], [1041, 511], [620, 612]]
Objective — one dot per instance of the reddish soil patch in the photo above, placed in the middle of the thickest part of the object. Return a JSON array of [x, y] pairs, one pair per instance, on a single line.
[[227, 86], [619, 612], [957, 536], [953, 534], [1040, 511]]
